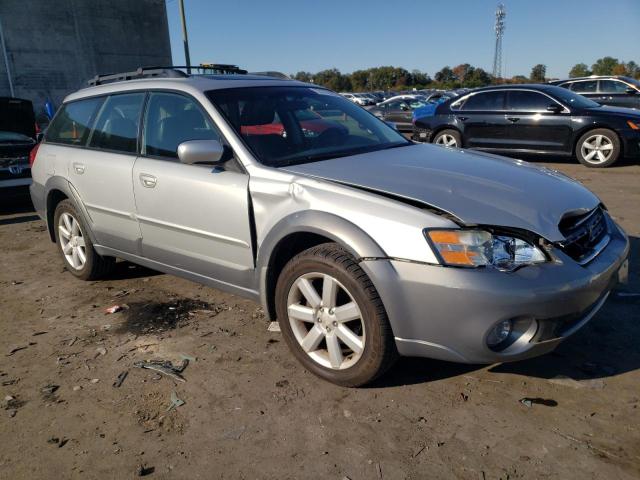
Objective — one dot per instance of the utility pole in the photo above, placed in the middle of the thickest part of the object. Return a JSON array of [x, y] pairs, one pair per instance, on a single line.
[[501, 13], [185, 38], [6, 60]]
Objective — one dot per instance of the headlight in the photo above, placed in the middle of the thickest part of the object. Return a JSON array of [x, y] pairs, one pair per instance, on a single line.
[[479, 248]]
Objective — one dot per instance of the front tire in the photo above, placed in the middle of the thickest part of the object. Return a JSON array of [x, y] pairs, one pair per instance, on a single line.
[[332, 317], [448, 138], [76, 247], [599, 148]]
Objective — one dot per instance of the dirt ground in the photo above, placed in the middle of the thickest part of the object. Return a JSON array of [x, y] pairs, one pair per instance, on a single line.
[[251, 411]]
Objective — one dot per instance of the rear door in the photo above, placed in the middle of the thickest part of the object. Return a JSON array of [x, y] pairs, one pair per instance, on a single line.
[[586, 88], [481, 117], [101, 172], [615, 93], [192, 217], [534, 128]]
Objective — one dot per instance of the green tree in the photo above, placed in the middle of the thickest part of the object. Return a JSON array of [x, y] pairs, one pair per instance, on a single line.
[[633, 69], [604, 66], [579, 70], [445, 76], [303, 77], [477, 78], [519, 79], [360, 80], [620, 69], [538, 73], [332, 79]]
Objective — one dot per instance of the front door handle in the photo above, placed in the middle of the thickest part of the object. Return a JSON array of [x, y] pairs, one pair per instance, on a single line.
[[463, 119], [78, 168], [148, 181], [513, 119]]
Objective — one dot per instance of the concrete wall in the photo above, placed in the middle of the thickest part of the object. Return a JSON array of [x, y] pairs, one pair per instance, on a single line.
[[55, 46]]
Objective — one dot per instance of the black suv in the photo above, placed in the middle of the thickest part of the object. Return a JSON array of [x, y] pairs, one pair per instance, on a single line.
[[17, 139], [533, 119], [617, 91]]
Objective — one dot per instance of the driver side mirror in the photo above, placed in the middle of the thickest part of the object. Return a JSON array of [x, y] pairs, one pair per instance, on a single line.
[[555, 108], [631, 91], [404, 107], [209, 152]]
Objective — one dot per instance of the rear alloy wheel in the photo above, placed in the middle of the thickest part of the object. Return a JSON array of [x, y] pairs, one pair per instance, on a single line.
[[75, 245], [332, 317], [598, 148], [448, 138]]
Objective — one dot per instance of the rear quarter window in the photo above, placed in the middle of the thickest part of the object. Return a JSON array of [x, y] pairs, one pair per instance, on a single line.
[[72, 124]]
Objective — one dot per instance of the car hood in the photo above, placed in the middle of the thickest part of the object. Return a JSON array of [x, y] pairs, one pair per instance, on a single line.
[[477, 188]]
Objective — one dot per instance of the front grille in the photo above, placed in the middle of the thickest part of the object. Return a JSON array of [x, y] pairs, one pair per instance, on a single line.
[[585, 235]]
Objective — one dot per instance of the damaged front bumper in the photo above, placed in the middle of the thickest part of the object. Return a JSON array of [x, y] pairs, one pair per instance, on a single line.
[[447, 313]]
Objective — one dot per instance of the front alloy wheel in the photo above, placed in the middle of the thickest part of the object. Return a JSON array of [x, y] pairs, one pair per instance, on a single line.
[[326, 321], [332, 317]]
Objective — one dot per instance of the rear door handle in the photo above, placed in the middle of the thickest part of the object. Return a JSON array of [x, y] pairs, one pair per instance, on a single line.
[[78, 168], [148, 181], [513, 119]]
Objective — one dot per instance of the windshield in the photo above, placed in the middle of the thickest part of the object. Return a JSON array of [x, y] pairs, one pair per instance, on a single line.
[[571, 99], [290, 125], [14, 137]]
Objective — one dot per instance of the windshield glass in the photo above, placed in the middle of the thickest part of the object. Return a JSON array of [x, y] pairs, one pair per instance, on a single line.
[[14, 137], [573, 99], [289, 125]]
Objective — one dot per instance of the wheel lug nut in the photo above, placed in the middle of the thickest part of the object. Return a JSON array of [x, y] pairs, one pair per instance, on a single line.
[[335, 324], [331, 311]]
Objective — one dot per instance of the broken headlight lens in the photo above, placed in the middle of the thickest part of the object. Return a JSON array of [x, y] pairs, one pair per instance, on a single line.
[[479, 248]]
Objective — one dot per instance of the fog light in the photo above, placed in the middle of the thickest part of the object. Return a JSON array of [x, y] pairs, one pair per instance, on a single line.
[[499, 333]]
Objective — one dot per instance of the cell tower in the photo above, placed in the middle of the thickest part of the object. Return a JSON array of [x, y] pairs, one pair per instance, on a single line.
[[501, 13]]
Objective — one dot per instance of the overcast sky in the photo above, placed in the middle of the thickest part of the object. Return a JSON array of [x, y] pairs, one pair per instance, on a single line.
[[311, 35]]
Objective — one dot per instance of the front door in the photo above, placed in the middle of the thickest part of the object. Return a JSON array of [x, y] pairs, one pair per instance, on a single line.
[[533, 127], [192, 217], [617, 94]]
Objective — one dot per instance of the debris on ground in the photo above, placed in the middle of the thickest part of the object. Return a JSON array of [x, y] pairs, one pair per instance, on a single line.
[[36, 334], [17, 349], [50, 389], [165, 367], [175, 402], [120, 379], [596, 383], [60, 442], [273, 327], [94, 380], [234, 434], [100, 351], [113, 309], [530, 401], [143, 470]]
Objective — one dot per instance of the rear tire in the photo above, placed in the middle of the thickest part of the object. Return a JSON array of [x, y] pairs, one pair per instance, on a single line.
[[599, 148], [332, 317], [448, 138], [76, 247]]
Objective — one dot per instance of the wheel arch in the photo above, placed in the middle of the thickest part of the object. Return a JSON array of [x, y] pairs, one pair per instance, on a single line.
[[296, 233], [58, 189]]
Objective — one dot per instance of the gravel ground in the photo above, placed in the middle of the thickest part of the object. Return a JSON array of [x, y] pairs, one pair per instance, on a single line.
[[251, 411]]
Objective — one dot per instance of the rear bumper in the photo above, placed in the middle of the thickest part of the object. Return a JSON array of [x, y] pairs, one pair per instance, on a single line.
[[37, 192], [447, 313]]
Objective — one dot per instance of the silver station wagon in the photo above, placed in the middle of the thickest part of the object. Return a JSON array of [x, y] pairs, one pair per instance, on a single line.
[[362, 244]]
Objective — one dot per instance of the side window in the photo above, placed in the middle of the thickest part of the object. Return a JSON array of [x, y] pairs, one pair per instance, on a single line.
[[528, 101], [485, 101], [588, 86], [117, 125], [172, 119], [613, 86], [72, 123]]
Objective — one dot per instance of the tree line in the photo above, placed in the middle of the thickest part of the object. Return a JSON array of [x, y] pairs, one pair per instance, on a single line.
[[463, 75]]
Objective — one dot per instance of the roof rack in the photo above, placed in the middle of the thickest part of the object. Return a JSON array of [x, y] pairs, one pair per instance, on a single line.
[[173, 71]]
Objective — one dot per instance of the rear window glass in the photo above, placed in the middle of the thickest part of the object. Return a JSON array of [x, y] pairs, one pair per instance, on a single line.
[[71, 125], [116, 128], [584, 87]]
